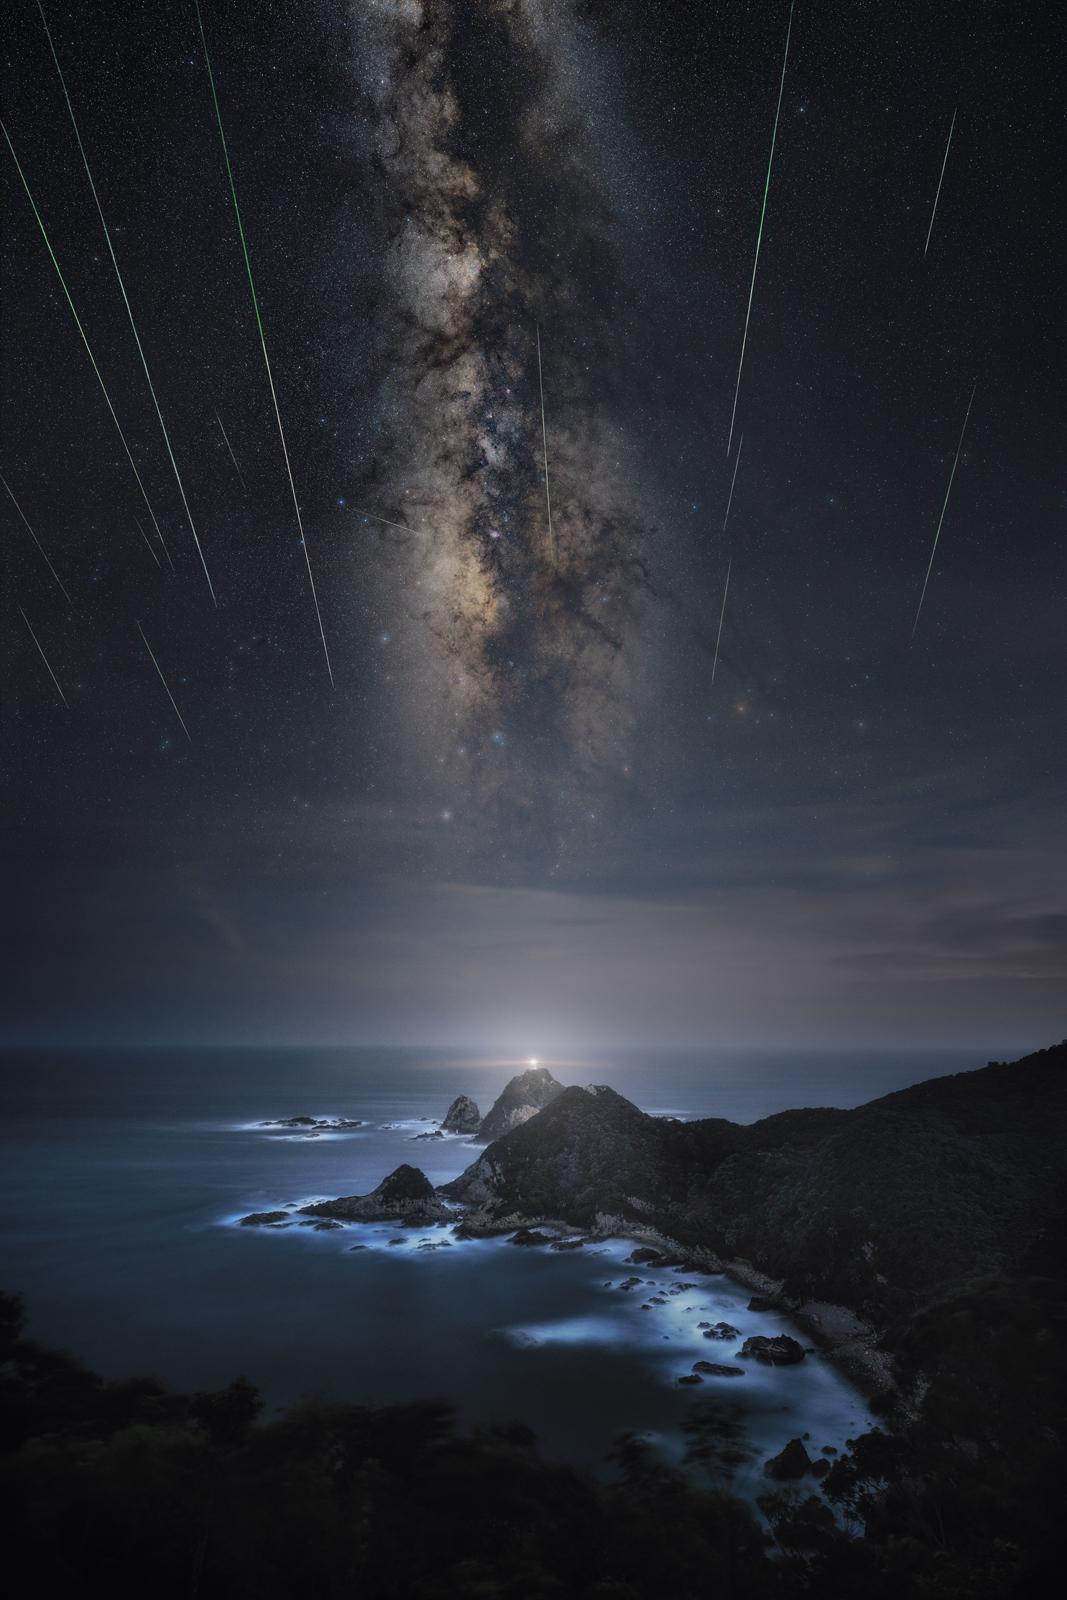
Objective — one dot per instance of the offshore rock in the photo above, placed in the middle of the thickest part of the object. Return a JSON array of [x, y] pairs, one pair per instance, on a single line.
[[462, 1116], [779, 1351], [406, 1195]]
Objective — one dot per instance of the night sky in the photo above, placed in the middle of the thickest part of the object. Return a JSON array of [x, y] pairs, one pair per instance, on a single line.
[[523, 815]]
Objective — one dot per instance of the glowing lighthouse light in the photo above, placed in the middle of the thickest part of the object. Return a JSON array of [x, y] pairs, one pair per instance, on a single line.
[[533, 1061]]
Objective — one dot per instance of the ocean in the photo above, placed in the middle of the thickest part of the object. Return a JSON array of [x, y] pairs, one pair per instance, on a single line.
[[124, 1175]]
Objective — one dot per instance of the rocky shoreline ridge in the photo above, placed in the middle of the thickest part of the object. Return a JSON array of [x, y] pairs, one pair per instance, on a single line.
[[848, 1222]]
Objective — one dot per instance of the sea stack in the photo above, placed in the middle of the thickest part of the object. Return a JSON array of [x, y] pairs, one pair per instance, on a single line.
[[462, 1116]]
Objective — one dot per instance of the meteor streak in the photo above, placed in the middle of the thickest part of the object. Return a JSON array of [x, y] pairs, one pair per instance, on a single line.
[[163, 681], [940, 181], [733, 480], [759, 234], [375, 518], [544, 442], [126, 302], [944, 508], [85, 340], [722, 613], [44, 658], [229, 447], [148, 542], [35, 539], [262, 335]]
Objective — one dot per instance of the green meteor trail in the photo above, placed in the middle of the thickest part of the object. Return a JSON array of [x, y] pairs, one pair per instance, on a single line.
[[722, 613], [44, 658], [126, 300], [35, 539], [262, 336], [759, 235], [85, 340], [163, 681], [944, 508]]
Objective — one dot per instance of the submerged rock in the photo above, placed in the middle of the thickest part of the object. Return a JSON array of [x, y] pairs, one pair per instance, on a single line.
[[462, 1116], [524, 1097], [531, 1236], [723, 1330], [779, 1351], [264, 1219], [715, 1369], [436, 1134], [794, 1462], [406, 1195]]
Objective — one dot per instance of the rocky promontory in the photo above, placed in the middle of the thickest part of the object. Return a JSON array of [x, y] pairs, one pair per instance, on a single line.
[[877, 1209]]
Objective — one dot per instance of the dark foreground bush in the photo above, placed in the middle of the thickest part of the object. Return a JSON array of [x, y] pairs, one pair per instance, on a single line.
[[127, 1489]]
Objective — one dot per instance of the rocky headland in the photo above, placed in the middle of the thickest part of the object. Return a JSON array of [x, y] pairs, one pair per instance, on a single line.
[[856, 1222]]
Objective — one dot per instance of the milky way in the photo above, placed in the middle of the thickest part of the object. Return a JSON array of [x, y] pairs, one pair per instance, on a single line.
[[522, 653]]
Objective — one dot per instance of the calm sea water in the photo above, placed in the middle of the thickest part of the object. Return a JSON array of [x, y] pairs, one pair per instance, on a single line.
[[122, 1176]]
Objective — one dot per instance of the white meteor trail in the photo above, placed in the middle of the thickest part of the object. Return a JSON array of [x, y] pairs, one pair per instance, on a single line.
[[126, 302], [148, 542], [262, 338], [229, 447], [375, 518], [940, 181], [733, 480], [163, 681], [722, 613], [544, 442], [85, 340], [759, 234], [944, 508], [44, 658], [36, 541]]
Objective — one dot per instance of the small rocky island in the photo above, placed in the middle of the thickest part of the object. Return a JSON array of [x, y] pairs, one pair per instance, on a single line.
[[310, 1126]]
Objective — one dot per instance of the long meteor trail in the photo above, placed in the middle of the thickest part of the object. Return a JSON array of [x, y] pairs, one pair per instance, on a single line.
[[85, 340], [733, 480], [44, 658], [166, 686], [940, 181], [722, 613], [126, 301], [544, 443], [262, 336], [759, 234], [944, 508], [35, 539]]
